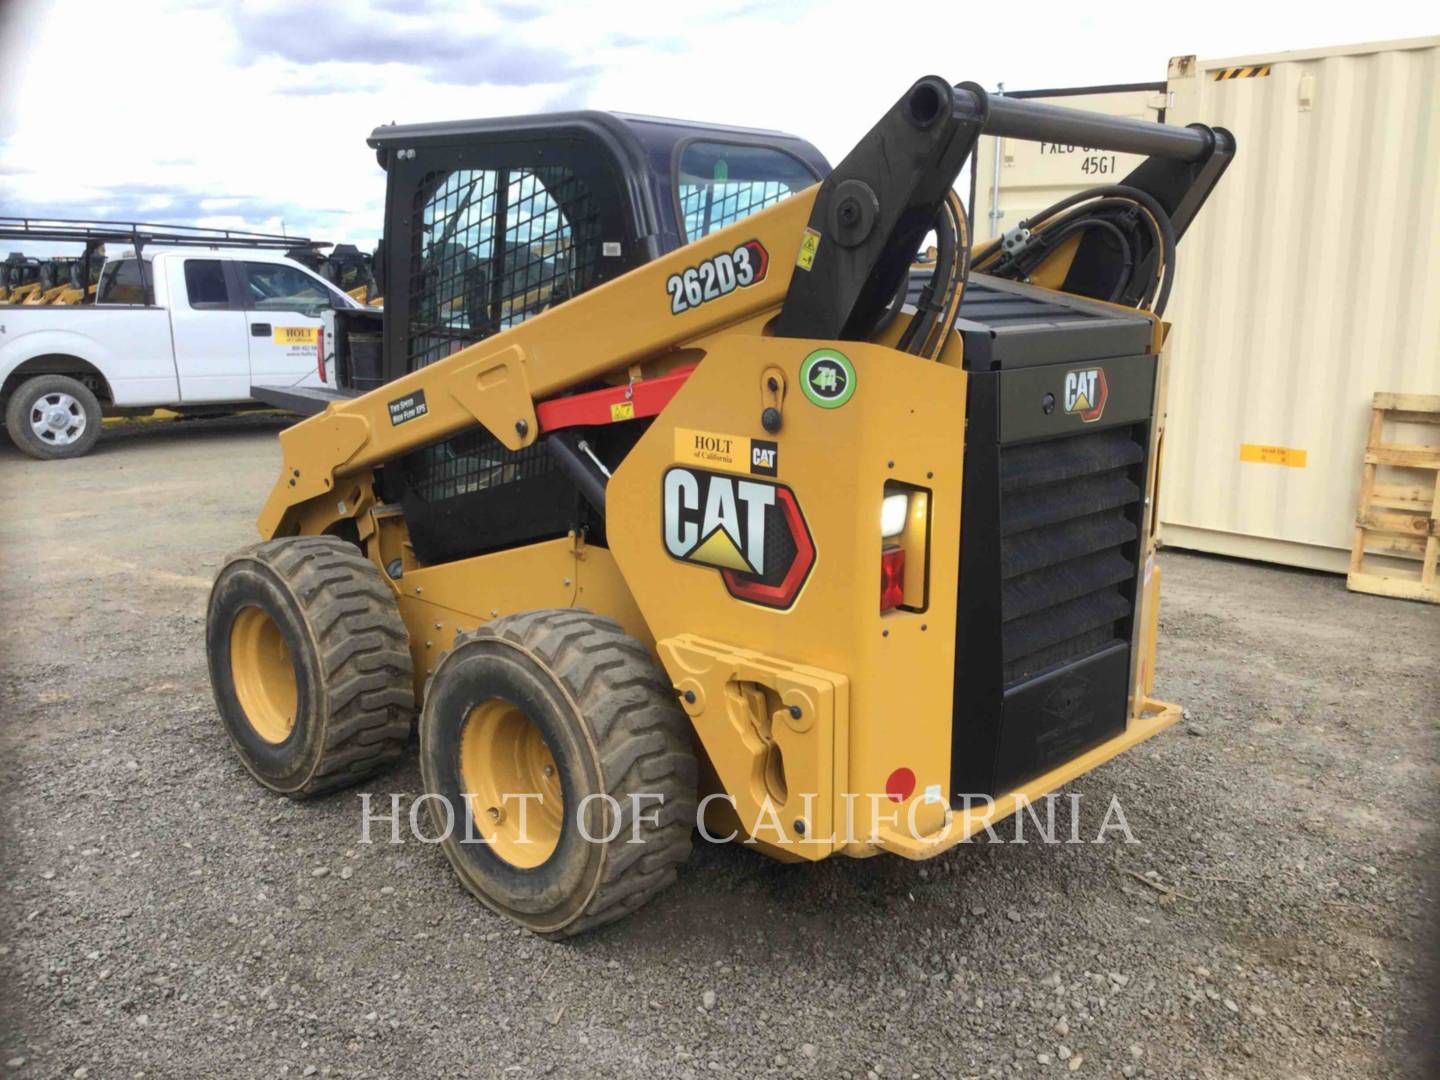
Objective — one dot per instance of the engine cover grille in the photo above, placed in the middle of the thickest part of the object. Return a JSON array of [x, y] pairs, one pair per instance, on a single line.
[[1051, 530], [1069, 516]]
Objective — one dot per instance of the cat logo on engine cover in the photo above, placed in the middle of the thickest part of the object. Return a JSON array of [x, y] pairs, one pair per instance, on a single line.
[[1086, 393], [751, 531]]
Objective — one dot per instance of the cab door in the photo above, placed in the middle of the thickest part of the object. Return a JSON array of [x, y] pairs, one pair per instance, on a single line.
[[207, 327], [286, 311]]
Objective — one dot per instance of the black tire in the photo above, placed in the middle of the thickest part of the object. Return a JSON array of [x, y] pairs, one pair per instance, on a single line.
[[318, 605], [28, 403], [611, 724]]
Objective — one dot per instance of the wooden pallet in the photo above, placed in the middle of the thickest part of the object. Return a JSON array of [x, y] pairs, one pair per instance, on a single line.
[[1400, 515]]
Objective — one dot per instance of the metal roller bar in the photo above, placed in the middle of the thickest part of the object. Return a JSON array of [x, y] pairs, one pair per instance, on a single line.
[[1036, 121]]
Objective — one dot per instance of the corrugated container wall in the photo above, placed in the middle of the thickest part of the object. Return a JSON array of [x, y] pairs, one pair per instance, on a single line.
[[1310, 281]]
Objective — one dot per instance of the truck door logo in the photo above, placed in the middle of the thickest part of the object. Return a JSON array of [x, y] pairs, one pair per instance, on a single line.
[[751, 531], [1085, 393]]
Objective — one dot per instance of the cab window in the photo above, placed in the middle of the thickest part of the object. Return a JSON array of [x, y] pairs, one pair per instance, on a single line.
[[121, 283], [721, 183], [205, 284], [277, 287]]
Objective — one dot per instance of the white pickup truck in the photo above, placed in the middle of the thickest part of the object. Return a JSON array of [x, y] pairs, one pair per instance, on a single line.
[[194, 333]]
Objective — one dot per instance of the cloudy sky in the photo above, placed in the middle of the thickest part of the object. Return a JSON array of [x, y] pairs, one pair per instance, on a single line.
[[255, 114]]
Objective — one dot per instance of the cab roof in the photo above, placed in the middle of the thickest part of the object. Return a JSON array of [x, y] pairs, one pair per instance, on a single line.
[[636, 140]]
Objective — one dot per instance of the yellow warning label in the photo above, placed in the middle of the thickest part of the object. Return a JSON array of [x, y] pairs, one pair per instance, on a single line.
[[622, 410], [1273, 455], [808, 246], [296, 335], [713, 450]]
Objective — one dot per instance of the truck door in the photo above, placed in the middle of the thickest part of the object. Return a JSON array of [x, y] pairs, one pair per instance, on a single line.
[[208, 328], [286, 310]]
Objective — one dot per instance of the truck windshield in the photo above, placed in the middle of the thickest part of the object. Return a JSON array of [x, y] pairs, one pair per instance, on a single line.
[[720, 183]]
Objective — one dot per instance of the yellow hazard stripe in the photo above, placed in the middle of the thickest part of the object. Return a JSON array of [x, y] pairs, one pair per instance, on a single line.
[[1258, 71]]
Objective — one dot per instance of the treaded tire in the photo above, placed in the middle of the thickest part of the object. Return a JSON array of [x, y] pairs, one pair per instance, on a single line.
[[609, 717], [353, 697], [24, 398]]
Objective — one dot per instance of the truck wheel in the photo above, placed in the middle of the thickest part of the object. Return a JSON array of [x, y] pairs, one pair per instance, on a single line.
[[310, 664], [559, 769], [53, 416]]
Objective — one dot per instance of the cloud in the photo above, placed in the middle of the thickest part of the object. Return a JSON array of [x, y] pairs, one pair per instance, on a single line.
[[519, 12], [448, 50], [326, 85]]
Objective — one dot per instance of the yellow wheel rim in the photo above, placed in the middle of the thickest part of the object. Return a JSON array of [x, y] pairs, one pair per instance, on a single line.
[[264, 675], [509, 778]]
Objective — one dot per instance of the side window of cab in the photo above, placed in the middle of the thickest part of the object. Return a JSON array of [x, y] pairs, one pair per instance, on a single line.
[[121, 282], [278, 287]]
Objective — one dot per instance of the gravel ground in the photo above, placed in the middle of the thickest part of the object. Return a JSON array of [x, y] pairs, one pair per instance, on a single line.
[[161, 915]]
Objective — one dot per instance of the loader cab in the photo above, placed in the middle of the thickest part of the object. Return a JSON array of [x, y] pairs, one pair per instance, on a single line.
[[489, 222]]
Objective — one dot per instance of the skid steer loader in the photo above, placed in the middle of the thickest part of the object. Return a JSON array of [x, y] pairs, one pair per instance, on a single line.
[[686, 496], [21, 278]]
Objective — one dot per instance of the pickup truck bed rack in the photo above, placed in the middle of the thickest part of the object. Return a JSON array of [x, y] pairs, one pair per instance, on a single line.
[[138, 233]]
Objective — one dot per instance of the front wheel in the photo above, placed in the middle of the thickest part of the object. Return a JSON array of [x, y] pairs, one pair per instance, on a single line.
[[310, 664], [560, 771], [53, 416]]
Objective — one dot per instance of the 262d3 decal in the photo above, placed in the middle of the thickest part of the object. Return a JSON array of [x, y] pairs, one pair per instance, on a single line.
[[717, 276], [751, 531]]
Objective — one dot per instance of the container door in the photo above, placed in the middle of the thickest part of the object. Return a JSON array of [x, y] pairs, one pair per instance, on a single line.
[[286, 311], [208, 329]]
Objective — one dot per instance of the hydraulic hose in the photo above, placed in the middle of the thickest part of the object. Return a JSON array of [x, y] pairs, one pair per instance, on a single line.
[[952, 268], [1099, 204], [925, 309]]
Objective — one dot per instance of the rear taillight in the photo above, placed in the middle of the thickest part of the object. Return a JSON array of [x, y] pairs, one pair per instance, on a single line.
[[320, 352], [892, 577]]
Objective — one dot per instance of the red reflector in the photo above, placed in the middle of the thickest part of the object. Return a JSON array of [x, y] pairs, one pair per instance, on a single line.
[[892, 577], [901, 785], [320, 352]]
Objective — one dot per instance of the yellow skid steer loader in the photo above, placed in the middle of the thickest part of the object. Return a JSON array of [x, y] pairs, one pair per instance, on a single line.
[[686, 497]]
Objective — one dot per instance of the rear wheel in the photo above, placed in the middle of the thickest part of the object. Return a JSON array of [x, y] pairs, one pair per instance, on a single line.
[[559, 769], [309, 663], [53, 416]]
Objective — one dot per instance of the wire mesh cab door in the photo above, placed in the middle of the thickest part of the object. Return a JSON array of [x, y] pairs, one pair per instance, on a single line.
[[482, 234]]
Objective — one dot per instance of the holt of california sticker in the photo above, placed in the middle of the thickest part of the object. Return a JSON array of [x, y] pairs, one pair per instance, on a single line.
[[732, 453]]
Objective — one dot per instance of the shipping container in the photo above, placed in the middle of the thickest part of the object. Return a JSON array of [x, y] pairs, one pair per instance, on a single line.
[[1310, 282]]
